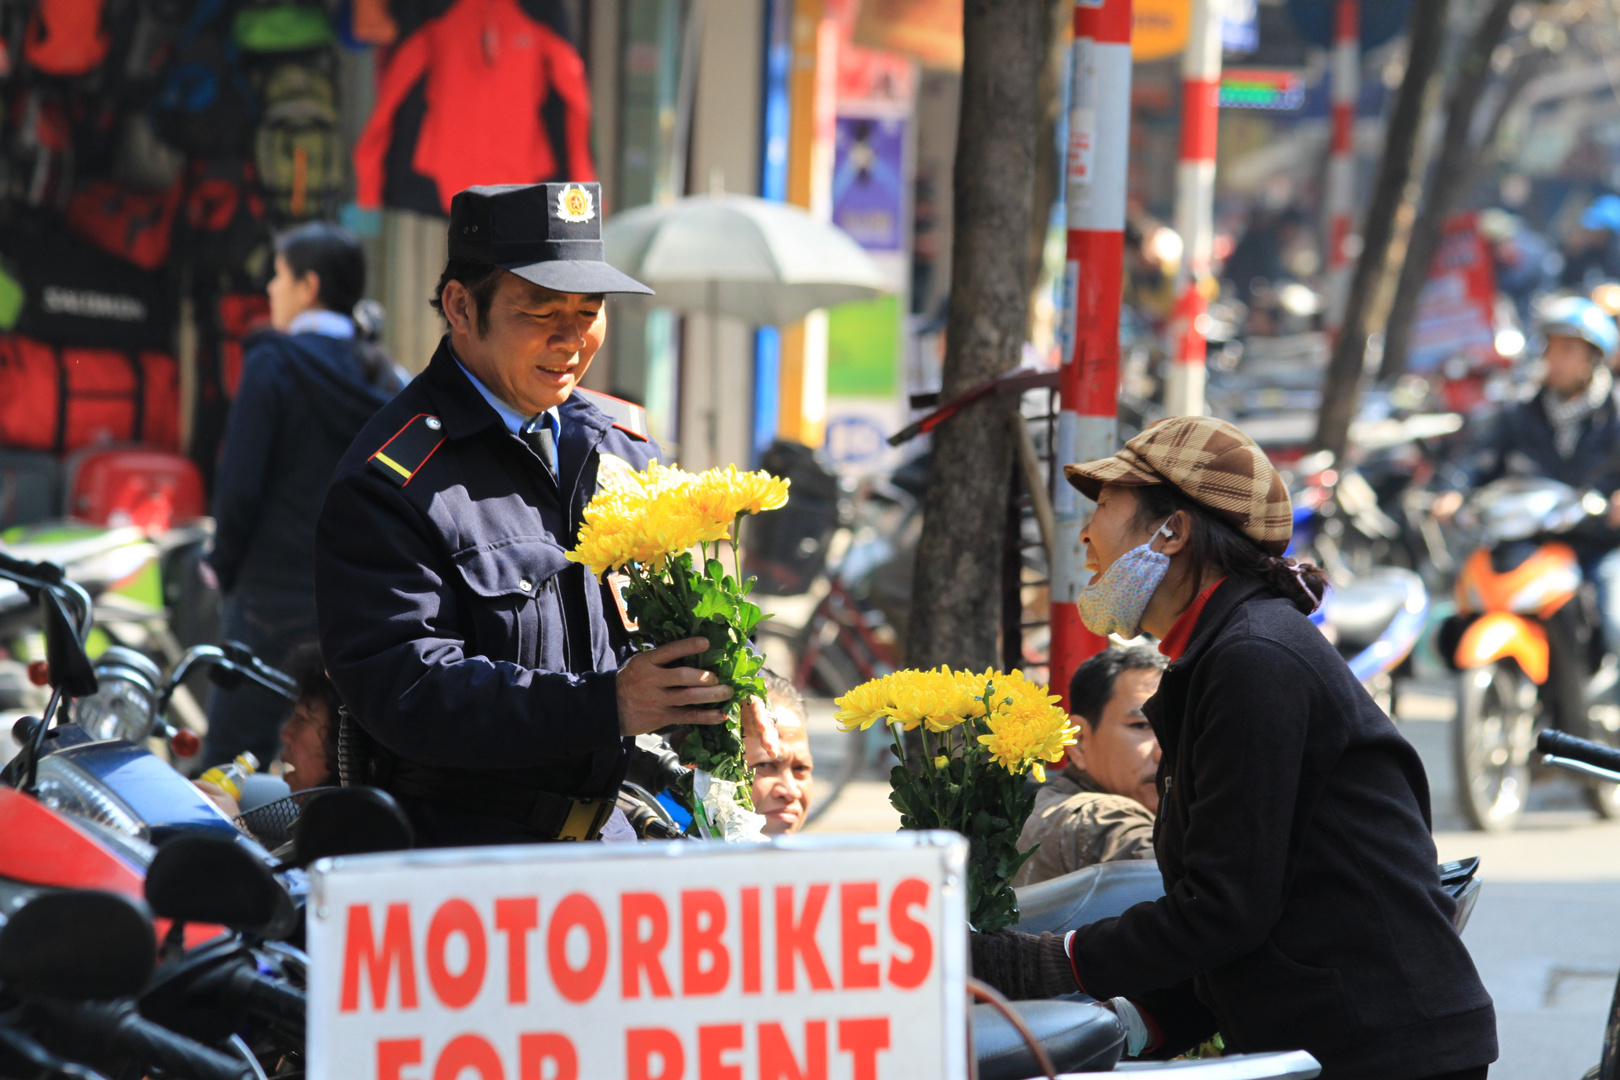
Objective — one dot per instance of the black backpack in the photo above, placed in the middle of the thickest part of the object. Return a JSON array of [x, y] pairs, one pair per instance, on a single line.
[[205, 107]]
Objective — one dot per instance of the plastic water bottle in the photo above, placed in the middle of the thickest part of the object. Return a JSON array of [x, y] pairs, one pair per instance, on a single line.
[[228, 778]]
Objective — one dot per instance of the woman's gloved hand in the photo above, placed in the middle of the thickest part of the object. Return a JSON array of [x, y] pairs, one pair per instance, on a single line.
[[1025, 967]]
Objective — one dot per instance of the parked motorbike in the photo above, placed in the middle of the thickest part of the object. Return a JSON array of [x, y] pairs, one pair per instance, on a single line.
[[70, 966], [1105, 890], [148, 595], [226, 997], [1527, 646], [1590, 761], [1374, 617]]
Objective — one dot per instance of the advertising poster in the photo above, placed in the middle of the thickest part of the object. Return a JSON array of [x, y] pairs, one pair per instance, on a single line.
[[1455, 312], [868, 187]]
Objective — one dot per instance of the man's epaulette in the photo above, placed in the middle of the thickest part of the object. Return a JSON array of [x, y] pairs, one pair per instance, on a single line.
[[403, 456], [627, 416]]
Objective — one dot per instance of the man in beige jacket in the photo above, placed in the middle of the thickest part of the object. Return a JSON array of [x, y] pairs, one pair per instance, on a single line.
[[1100, 807]]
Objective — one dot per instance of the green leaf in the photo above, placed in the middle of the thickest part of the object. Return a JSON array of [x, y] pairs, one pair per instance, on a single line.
[[712, 604]]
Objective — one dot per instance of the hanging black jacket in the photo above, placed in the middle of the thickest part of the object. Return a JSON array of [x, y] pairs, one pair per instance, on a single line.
[[303, 399], [1302, 907]]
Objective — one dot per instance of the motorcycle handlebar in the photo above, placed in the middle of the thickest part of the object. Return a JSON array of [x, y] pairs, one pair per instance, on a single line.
[[263, 995], [33, 576], [1585, 751], [120, 1026], [233, 658]]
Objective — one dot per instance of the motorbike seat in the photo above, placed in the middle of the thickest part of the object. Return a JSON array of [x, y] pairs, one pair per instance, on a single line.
[[1095, 892], [1362, 610], [1078, 1037]]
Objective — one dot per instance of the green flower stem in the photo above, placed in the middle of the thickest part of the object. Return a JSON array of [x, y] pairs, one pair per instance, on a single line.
[[700, 818]]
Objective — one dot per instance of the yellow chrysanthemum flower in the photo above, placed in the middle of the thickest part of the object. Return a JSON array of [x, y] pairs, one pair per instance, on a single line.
[[863, 706], [647, 517], [1028, 732]]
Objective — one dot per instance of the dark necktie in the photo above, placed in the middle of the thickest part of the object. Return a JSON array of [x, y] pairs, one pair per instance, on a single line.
[[543, 441]]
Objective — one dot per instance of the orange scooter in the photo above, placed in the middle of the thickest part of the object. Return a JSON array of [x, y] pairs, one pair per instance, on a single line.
[[1527, 646]]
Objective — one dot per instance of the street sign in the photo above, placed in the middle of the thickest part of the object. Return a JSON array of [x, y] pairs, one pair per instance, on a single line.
[[836, 957]]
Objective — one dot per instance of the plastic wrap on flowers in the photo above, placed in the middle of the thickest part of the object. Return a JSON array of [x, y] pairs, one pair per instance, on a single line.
[[724, 811], [645, 525]]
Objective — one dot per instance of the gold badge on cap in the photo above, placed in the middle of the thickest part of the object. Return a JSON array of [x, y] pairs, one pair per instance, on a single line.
[[574, 205]]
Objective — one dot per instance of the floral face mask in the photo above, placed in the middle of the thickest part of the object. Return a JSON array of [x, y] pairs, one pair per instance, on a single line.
[[1114, 601]]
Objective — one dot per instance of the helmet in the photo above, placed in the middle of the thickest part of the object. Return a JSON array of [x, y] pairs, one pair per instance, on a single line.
[[1604, 213], [1576, 316]]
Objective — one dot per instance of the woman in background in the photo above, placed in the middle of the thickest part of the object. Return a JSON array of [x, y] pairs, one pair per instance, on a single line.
[[306, 392]]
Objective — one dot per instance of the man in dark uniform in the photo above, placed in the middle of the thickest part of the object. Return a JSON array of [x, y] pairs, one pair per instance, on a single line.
[[495, 677]]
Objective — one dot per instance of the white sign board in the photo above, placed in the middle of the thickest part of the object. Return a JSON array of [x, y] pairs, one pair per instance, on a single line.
[[834, 958]]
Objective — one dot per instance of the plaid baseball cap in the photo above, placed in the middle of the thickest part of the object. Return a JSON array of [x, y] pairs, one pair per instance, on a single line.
[[1212, 463]]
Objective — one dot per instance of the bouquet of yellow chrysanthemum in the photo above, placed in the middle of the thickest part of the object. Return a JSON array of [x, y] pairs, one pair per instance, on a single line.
[[980, 734], [645, 525]]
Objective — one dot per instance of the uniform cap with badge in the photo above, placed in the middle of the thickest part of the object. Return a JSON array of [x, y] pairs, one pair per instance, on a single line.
[[550, 234]]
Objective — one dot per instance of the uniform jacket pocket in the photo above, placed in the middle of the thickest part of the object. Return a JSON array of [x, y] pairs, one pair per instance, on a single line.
[[515, 612]]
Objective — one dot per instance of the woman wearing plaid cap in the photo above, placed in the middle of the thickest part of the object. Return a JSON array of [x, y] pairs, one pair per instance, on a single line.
[[1303, 906]]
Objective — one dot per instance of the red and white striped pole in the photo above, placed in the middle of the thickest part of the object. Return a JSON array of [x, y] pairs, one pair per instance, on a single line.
[[1195, 207], [1341, 178], [1099, 139]]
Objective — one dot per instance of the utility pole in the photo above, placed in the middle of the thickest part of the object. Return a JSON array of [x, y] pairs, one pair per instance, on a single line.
[[1195, 206], [1088, 426], [1341, 179]]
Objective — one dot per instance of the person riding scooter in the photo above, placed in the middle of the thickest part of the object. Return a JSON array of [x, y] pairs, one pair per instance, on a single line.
[[1568, 431]]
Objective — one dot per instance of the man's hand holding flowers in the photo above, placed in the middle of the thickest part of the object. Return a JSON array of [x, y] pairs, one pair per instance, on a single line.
[[694, 614], [654, 694]]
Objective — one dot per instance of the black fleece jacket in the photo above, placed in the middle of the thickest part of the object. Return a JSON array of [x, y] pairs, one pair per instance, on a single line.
[[303, 399], [1302, 907]]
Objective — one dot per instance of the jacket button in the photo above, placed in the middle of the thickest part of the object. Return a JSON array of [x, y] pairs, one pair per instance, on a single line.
[[525, 585], [433, 423]]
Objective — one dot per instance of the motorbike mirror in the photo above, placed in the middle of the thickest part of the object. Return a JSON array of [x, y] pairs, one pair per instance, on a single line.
[[212, 880], [70, 667], [81, 945], [350, 821]]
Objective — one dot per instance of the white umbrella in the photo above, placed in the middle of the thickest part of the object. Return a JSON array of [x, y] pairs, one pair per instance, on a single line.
[[766, 263]]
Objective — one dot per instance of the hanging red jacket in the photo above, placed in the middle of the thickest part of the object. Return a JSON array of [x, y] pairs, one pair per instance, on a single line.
[[488, 68]]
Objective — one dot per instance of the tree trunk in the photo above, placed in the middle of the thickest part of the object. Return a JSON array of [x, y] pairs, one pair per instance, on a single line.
[[1341, 386], [1448, 180], [956, 602]]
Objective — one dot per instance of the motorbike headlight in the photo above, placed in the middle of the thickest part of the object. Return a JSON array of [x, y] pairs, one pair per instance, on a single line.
[[124, 705], [134, 850], [69, 789]]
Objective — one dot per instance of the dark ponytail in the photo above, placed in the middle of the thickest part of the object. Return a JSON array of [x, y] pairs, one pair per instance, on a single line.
[[1215, 548]]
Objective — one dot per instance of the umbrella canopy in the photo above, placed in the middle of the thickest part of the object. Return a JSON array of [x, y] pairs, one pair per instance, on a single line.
[[766, 263]]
